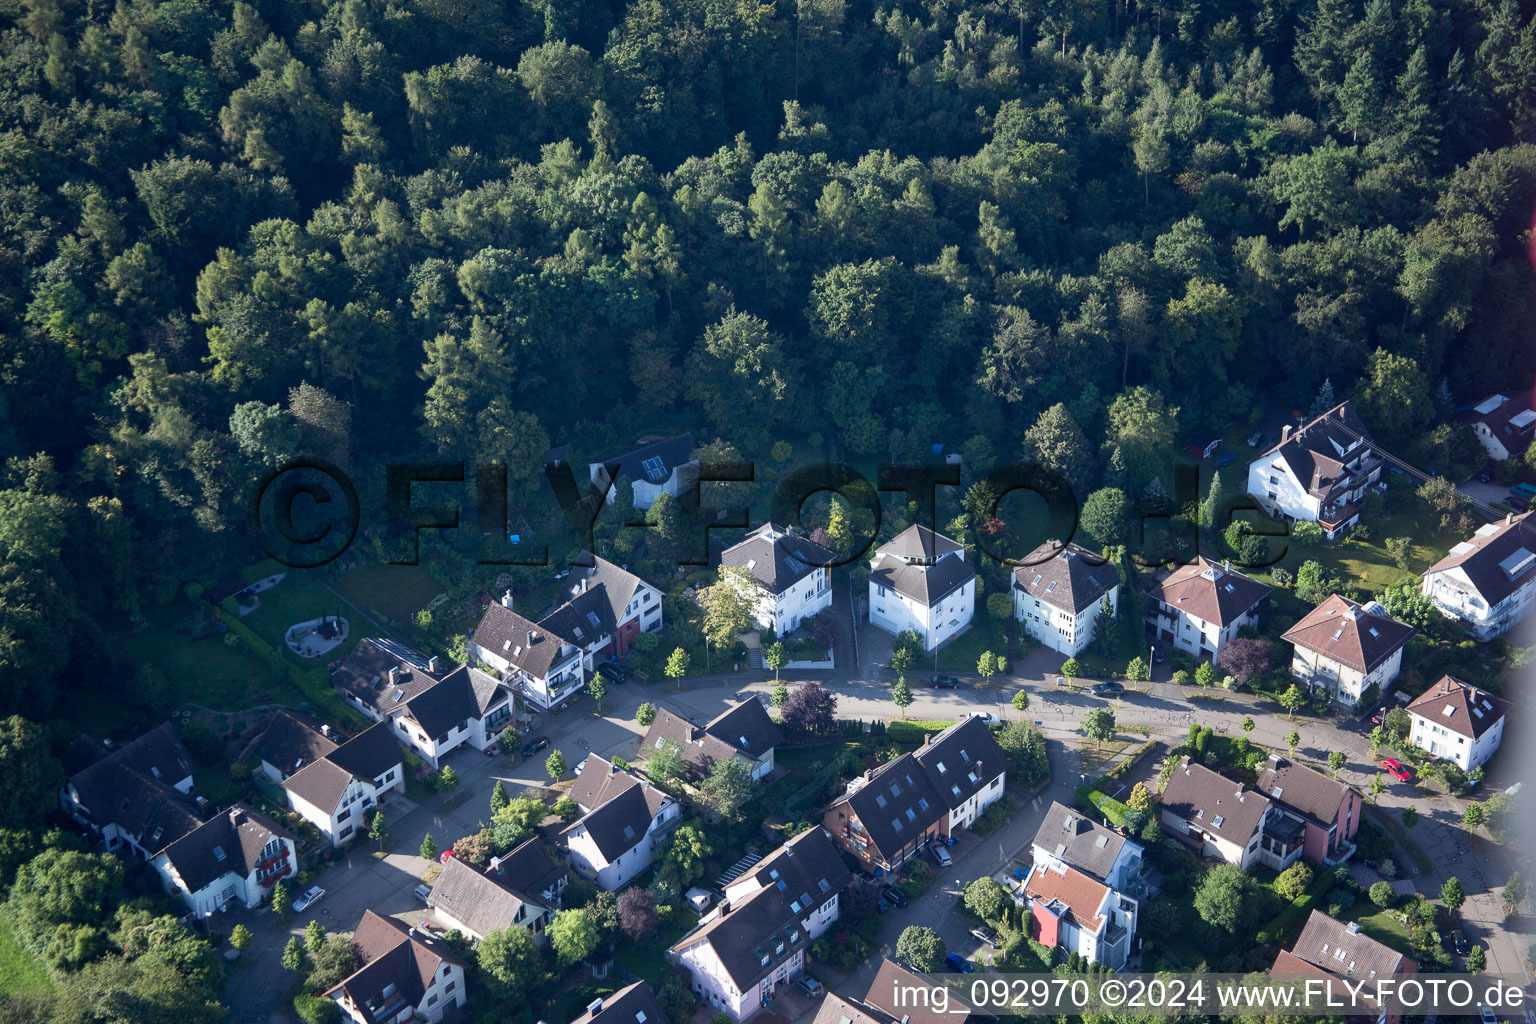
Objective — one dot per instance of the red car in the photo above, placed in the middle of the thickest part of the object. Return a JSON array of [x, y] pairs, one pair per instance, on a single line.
[[1379, 717], [1395, 769]]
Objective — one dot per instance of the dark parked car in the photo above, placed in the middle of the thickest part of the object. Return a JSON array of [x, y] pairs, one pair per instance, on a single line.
[[1459, 942], [1108, 689], [956, 962], [944, 682], [895, 895], [535, 745], [613, 672]]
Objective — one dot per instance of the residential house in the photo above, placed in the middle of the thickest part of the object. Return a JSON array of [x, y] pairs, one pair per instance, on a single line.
[[1078, 913], [543, 665], [658, 465], [890, 814], [519, 890], [1059, 592], [404, 974], [1226, 820], [380, 675], [135, 797], [1199, 608], [1458, 722], [634, 606], [919, 581], [790, 576], [1068, 839], [742, 731], [623, 820], [1486, 581], [466, 706], [835, 1009], [1351, 651], [635, 1003], [1329, 809], [1320, 472], [903, 995], [237, 855], [1329, 948], [289, 742], [756, 938], [335, 793], [1504, 426]]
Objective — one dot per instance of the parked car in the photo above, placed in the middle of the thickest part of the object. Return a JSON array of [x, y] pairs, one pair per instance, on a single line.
[[956, 962], [1486, 476], [1254, 438], [1226, 458], [1379, 717], [985, 716], [1395, 769], [1517, 503], [613, 672], [944, 682], [1489, 1017], [534, 745], [1157, 655], [423, 893], [984, 935], [895, 895], [807, 984], [1459, 942], [942, 856], [310, 898], [1107, 689], [882, 906]]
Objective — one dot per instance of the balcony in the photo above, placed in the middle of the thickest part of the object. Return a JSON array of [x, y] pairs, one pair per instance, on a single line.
[[1336, 515]]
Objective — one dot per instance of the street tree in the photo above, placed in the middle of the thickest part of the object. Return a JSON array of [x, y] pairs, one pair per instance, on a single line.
[[1021, 700], [1099, 725], [1337, 759], [775, 656], [901, 695], [645, 714], [1452, 894], [1292, 700], [677, 664], [555, 765], [597, 686]]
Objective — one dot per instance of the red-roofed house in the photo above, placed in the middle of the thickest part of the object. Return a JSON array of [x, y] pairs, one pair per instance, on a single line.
[[1346, 648], [1458, 722], [1080, 914]]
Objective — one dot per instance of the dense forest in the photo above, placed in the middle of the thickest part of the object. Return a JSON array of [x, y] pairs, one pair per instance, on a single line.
[[230, 233]]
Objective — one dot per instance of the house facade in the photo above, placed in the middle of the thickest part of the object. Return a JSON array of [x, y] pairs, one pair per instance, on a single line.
[[658, 465], [1504, 427], [756, 939], [1199, 608], [1346, 649], [336, 792], [1457, 721], [381, 675], [1224, 820], [404, 975], [623, 820], [1328, 809], [519, 890], [467, 707], [543, 666], [236, 857], [137, 797], [1068, 839], [919, 581], [634, 605], [1328, 948], [742, 732], [790, 581], [1486, 582], [1320, 472], [1059, 592], [1078, 913]]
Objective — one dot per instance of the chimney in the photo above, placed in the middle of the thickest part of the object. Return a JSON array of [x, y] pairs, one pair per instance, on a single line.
[[1285, 433], [531, 637], [394, 675], [495, 865], [926, 738], [1354, 928], [434, 665], [595, 1005], [506, 600], [325, 730]]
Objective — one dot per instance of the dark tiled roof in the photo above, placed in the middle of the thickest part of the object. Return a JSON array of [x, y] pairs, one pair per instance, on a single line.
[[528, 868], [1316, 452], [1209, 592], [919, 544], [747, 728], [365, 674], [290, 742], [1514, 436], [1472, 711], [1498, 561], [528, 645], [133, 787], [740, 729], [231, 842], [463, 694], [777, 562], [892, 977], [583, 618], [1344, 632], [366, 756], [619, 823], [1085, 845], [1324, 938], [483, 902], [904, 569], [617, 585], [1068, 577], [1305, 790], [633, 1004], [962, 760], [393, 954], [322, 784], [1215, 803], [672, 451]]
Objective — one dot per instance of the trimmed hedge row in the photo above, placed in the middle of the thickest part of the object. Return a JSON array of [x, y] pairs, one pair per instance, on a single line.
[[1089, 799], [314, 683], [1298, 910], [912, 731]]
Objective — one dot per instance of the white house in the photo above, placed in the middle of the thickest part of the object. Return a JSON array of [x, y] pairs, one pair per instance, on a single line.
[[1320, 472], [467, 706], [336, 792], [634, 606], [1199, 608], [1059, 592], [742, 732], [756, 939], [289, 742], [135, 797], [635, 1003], [545, 667], [238, 855], [1068, 839], [790, 573], [1503, 426], [1486, 581], [1345, 649], [380, 675], [519, 890], [919, 581], [1078, 913], [1458, 722], [1225, 820], [403, 975], [623, 821], [658, 465]]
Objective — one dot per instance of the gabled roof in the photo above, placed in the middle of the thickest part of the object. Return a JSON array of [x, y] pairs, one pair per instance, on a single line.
[[746, 727], [754, 936], [618, 585], [531, 646], [366, 756], [1316, 452], [584, 618], [1460, 707], [1086, 845], [654, 461], [229, 843], [633, 1004], [1072, 579], [463, 694], [621, 810], [1346, 633], [133, 787], [739, 730], [919, 544], [392, 954], [922, 565], [1498, 558], [1215, 803], [289, 742], [1067, 894], [893, 977], [1512, 423], [484, 901], [962, 760], [1330, 944], [776, 558], [322, 784], [383, 674], [528, 868], [834, 1009], [1304, 790], [1209, 592], [811, 869]]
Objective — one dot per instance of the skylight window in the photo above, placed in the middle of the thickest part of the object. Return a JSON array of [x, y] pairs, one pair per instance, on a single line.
[[219, 854], [922, 803], [880, 800], [911, 814], [1038, 578], [592, 618], [941, 768], [1050, 586], [895, 789], [1218, 820], [654, 468], [895, 824], [1448, 711]]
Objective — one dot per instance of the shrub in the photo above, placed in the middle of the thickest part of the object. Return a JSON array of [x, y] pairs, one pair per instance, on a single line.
[[1382, 894]]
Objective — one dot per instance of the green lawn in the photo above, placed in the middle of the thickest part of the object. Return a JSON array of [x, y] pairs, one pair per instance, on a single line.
[[299, 598], [649, 959], [963, 652], [207, 672], [399, 591], [1366, 565], [1380, 925], [20, 973]]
